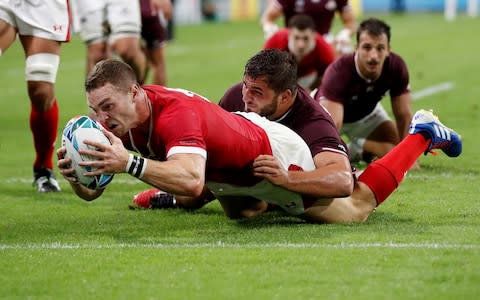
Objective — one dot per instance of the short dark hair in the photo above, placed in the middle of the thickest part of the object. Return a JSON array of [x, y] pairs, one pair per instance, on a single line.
[[278, 67], [375, 27], [302, 22], [112, 71]]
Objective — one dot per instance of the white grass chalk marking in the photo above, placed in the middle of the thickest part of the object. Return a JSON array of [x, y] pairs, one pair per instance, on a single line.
[[431, 90], [220, 245]]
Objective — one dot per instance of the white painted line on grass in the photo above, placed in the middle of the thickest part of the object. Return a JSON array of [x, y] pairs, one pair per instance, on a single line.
[[431, 90], [220, 245]]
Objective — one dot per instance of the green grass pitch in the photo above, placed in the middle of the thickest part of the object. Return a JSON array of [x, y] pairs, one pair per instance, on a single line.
[[422, 243]]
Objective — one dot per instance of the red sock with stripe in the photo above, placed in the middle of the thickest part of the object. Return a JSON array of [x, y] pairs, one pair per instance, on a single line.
[[385, 174]]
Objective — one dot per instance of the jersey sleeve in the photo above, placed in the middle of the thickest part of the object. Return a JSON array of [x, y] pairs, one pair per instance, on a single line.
[[401, 81], [329, 140]]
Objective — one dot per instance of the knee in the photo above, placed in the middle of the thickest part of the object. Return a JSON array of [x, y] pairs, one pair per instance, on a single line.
[[41, 95], [127, 54], [96, 54]]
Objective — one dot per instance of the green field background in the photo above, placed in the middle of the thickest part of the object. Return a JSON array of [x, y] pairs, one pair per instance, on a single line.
[[422, 243]]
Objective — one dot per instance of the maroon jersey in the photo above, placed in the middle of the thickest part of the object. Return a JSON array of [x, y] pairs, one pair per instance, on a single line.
[[342, 83], [321, 11], [306, 117], [183, 122], [316, 61]]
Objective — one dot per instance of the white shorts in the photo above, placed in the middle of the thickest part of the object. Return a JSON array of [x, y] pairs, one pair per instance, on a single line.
[[107, 20], [358, 131], [45, 19], [291, 150]]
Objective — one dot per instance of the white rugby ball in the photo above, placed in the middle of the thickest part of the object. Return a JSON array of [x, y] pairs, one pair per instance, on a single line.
[[76, 131]]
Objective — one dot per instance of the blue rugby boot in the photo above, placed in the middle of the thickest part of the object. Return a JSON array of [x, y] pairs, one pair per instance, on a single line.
[[442, 137]]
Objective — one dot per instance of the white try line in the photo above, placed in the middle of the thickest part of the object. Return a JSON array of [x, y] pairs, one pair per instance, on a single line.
[[222, 245], [431, 90]]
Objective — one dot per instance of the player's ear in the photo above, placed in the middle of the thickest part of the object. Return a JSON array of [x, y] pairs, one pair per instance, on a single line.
[[286, 95], [134, 90]]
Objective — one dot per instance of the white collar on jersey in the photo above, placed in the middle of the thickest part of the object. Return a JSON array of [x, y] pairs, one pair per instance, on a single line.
[[358, 69], [283, 116]]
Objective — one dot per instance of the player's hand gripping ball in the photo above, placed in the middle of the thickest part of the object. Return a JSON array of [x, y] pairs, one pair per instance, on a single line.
[[76, 131]]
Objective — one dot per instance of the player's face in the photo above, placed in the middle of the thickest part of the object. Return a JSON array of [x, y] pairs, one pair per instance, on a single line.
[[259, 98], [371, 54], [113, 108], [301, 42]]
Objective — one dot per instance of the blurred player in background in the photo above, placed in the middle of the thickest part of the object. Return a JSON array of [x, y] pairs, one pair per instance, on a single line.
[[321, 11], [155, 14], [111, 27], [354, 85], [41, 27], [311, 51], [331, 194]]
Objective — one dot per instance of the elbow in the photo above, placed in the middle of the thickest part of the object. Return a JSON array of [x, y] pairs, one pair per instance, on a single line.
[[194, 189], [88, 197], [86, 194], [346, 185]]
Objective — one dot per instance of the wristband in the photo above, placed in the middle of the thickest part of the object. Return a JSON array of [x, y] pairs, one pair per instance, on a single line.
[[136, 166]]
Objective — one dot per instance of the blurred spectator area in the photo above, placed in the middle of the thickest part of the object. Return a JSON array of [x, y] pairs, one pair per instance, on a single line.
[[192, 11]]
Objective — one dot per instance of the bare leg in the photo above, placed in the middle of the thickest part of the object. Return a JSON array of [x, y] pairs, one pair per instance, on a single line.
[[129, 50], [7, 36], [355, 208], [95, 53]]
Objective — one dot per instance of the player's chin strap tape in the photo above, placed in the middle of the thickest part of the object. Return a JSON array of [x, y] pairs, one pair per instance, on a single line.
[[42, 67], [136, 166]]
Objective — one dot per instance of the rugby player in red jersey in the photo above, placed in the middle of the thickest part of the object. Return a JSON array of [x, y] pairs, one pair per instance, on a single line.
[[312, 52], [321, 11], [189, 146]]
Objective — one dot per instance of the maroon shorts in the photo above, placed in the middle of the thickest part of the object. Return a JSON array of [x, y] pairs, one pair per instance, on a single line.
[[153, 32]]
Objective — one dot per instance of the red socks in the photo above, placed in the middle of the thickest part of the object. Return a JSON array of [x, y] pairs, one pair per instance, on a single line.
[[383, 175], [44, 127]]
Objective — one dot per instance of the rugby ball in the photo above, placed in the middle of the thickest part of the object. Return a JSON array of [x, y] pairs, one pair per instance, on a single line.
[[77, 130]]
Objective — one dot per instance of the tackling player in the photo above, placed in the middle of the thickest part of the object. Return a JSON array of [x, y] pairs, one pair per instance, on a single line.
[[41, 27], [312, 52], [354, 85]]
